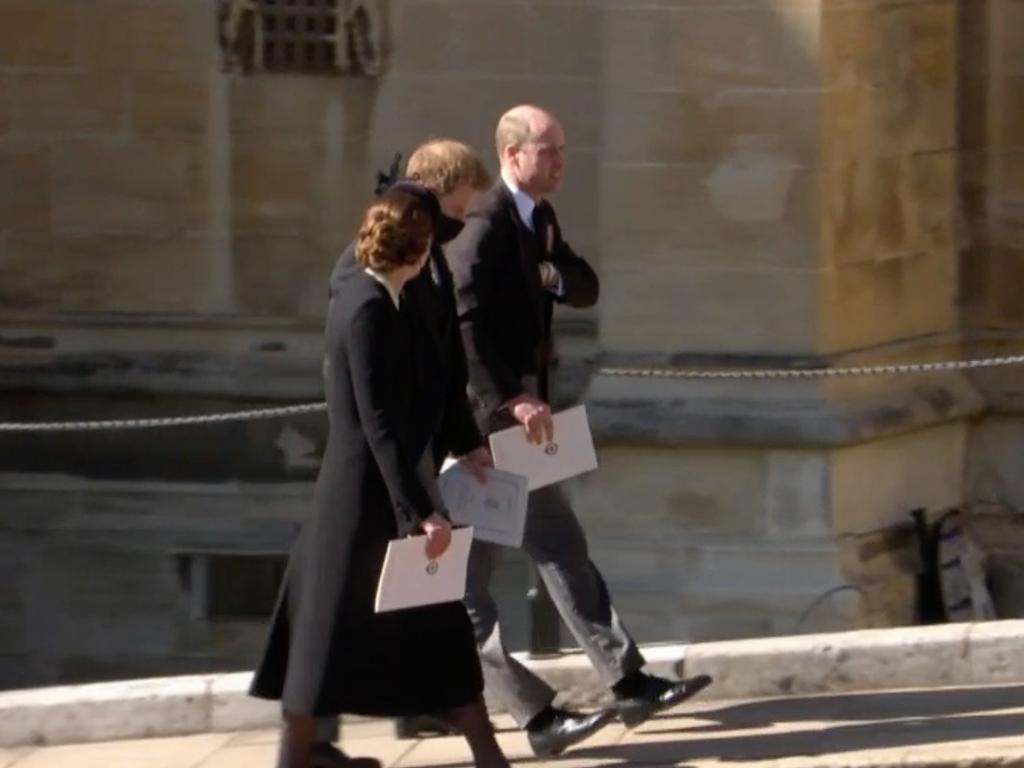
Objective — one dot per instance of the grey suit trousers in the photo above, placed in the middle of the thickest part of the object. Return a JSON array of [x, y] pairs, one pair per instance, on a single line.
[[555, 541]]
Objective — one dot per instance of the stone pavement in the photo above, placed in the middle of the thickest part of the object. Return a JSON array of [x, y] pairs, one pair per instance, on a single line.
[[943, 656], [935, 727]]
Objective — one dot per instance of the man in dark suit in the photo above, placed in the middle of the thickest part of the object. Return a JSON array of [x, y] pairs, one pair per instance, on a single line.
[[511, 265], [446, 175]]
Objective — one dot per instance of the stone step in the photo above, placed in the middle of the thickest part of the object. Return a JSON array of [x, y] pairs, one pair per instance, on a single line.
[[965, 727], [985, 654]]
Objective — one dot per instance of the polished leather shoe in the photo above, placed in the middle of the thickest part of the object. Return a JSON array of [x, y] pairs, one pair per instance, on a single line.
[[656, 695], [565, 729], [324, 755]]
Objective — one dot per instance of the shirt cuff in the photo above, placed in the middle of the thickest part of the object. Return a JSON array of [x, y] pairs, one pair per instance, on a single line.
[[558, 288]]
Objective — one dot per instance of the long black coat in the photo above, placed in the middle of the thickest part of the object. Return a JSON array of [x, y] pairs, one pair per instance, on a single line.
[[327, 651], [428, 306], [504, 311]]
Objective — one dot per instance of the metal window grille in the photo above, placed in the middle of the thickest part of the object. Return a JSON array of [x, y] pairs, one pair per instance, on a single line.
[[299, 35], [302, 36]]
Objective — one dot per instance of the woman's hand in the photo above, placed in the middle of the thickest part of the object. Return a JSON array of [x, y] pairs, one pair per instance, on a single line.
[[439, 535]]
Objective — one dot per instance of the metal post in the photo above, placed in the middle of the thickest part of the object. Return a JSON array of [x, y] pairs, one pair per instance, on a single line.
[[545, 624]]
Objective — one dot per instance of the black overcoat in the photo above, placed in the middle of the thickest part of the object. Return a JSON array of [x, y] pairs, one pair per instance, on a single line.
[[327, 652], [428, 307]]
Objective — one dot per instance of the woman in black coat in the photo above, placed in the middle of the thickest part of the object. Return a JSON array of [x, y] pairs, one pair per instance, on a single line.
[[328, 652]]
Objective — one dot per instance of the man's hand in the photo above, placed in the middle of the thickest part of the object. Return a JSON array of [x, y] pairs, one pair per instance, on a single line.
[[535, 415], [550, 277], [478, 461], [439, 535]]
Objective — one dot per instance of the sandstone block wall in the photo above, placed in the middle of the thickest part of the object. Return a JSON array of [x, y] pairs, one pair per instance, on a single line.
[[760, 183]]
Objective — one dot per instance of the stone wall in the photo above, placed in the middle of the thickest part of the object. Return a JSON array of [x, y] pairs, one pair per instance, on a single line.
[[760, 183], [814, 221], [993, 167], [166, 231], [992, 110], [889, 193], [710, 174], [150, 183]]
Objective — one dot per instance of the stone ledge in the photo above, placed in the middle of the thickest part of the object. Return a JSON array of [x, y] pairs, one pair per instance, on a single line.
[[785, 412], [909, 657]]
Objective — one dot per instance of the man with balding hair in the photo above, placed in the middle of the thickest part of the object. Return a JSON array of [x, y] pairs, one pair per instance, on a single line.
[[511, 265]]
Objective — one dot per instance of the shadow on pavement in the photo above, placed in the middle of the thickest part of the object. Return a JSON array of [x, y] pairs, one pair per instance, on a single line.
[[827, 740], [888, 705], [897, 719], [879, 721]]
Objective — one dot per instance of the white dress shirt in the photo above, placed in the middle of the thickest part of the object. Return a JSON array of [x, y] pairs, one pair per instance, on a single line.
[[524, 203], [525, 206]]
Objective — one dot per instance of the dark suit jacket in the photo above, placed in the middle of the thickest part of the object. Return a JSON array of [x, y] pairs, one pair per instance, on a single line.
[[504, 311], [428, 307]]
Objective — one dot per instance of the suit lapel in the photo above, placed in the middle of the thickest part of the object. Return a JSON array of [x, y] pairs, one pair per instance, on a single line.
[[528, 246]]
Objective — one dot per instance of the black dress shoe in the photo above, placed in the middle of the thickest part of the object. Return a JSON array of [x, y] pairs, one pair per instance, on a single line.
[[564, 729], [657, 694], [423, 726], [325, 755]]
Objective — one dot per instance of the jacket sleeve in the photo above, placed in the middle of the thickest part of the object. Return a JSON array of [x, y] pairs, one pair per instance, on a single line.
[[474, 257], [459, 432], [580, 286], [373, 363]]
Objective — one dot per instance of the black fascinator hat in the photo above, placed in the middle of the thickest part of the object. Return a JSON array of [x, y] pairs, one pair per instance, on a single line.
[[390, 179]]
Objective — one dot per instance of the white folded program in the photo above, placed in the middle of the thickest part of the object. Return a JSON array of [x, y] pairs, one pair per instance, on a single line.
[[496, 509], [570, 453], [410, 579]]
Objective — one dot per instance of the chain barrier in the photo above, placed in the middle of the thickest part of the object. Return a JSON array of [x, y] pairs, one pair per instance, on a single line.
[[625, 371], [816, 373], [169, 421]]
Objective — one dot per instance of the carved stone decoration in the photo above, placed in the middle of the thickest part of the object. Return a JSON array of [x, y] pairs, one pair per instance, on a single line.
[[343, 37], [238, 23], [362, 49]]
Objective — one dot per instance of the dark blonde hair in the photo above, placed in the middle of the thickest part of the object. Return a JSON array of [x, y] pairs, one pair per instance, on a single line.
[[395, 232], [445, 165]]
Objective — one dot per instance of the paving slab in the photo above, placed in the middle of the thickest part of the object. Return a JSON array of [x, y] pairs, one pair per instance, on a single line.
[[179, 752], [979, 727], [240, 757], [9, 756], [953, 655], [374, 738]]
